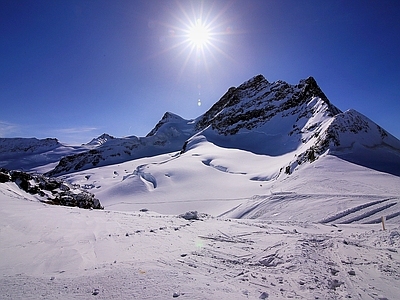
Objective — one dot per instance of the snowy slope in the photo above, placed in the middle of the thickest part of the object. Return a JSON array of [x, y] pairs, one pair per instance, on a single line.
[[52, 252], [357, 139], [242, 184]]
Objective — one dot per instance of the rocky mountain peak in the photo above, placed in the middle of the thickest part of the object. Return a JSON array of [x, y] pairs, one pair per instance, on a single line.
[[256, 82], [257, 101]]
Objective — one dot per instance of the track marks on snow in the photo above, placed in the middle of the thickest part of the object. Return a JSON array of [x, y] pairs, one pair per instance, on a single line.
[[292, 261], [367, 213]]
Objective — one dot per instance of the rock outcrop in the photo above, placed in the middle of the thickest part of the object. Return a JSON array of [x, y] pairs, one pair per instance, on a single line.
[[51, 190]]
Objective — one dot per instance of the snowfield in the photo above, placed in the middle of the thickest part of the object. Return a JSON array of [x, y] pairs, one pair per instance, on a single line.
[[52, 252], [241, 184]]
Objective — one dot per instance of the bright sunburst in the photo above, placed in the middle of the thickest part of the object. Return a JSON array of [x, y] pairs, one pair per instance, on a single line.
[[198, 34]]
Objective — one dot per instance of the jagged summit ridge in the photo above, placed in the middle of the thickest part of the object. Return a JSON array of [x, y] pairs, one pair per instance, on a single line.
[[257, 101]]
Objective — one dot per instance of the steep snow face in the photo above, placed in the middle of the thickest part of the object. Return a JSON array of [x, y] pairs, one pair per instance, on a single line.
[[169, 135], [172, 125], [352, 127], [355, 138]]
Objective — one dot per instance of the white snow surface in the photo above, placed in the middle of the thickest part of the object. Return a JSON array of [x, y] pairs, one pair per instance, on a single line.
[[242, 184], [54, 252]]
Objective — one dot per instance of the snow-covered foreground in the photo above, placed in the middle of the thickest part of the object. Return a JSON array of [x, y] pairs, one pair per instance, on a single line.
[[52, 252]]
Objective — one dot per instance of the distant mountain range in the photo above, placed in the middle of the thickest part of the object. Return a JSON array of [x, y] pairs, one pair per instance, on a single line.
[[258, 116]]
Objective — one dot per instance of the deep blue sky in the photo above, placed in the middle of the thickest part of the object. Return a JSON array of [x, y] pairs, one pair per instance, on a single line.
[[75, 69]]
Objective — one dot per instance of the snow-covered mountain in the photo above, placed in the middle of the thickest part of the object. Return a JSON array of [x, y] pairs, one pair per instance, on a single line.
[[265, 118], [168, 135]]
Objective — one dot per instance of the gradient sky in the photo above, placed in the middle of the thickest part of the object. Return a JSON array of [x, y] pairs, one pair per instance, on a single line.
[[75, 69]]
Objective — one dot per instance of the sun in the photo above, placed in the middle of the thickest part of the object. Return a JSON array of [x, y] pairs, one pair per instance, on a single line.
[[198, 34]]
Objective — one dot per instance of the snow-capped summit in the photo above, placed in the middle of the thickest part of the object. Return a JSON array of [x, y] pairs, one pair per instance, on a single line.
[[171, 121], [99, 140], [167, 136], [267, 118]]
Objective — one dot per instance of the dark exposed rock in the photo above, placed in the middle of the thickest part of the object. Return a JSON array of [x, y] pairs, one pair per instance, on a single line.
[[4, 176]]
